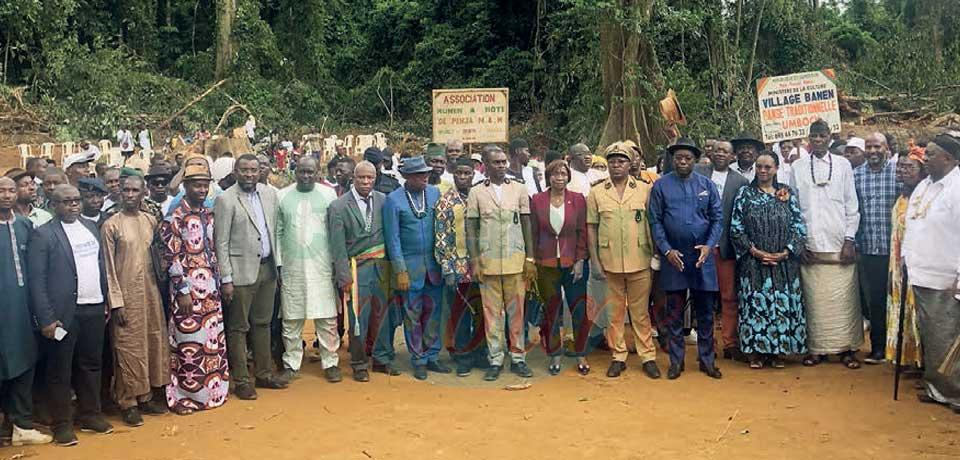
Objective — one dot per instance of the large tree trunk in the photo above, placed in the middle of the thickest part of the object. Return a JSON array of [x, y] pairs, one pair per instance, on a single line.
[[226, 12], [631, 76]]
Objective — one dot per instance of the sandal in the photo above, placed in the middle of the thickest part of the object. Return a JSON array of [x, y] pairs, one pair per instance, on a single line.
[[583, 369], [850, 360], [777, 362], [553, 369], [182, 411], [812, 360], [756, 363]]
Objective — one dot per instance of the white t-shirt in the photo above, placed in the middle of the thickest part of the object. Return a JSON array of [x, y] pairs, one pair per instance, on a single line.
[[498, 190], [125, 140], [86, 256], [719, 179], [144, 139]]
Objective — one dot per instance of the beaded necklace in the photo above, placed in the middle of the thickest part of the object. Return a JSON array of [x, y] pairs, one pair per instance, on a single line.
[[813, 176], [418, 211]]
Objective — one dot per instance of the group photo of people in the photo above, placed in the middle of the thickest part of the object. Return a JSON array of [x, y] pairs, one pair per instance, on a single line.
[[178, 286]]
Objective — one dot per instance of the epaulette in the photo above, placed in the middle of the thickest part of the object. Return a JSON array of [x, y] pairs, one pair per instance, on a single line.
[[519, 180], [596, 182]]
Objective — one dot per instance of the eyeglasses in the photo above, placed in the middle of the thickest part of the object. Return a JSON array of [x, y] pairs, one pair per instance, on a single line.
[[159, 183]]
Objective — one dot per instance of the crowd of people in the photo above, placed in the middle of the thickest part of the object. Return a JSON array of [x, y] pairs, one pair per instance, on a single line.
[[168, 290]]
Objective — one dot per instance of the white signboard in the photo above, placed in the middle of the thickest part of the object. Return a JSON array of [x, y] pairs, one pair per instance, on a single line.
[[790, 103], [471, 115]]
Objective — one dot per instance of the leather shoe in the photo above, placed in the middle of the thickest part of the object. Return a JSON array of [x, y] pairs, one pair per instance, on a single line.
[[463, 369], [674, 372], [64, 436], [616, 367], [493, 373], [420, 372], [361, 375], [245, 392], [271, 383], [333, 374], [131, 417], [711, 371], [96, 424], [153, 407], [386, 369], [521, 369], [650, 368], [438, 367], [734, 354]]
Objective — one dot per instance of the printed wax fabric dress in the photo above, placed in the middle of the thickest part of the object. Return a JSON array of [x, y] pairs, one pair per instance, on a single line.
[[771, 304], [198, 344]]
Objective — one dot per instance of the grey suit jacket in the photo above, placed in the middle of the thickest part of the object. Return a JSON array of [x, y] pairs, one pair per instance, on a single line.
[[237, 237], [733, 184], [348, 237]]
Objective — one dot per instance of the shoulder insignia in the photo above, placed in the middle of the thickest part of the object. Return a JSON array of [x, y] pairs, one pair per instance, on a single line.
[[608, 185], [633, 184]]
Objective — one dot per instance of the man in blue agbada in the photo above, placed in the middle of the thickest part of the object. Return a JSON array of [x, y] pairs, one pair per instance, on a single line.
[[686, 219], [408, 227]]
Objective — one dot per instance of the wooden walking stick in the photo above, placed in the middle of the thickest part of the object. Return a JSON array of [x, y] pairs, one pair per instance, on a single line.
[[903, 306]]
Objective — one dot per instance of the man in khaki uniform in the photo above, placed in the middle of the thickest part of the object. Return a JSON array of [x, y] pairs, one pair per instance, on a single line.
[[620, 252], [500, 246]]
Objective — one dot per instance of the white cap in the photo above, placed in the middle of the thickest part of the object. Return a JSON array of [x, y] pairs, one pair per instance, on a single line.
[[76, 158], [857, 142], [222, 167], [287, 145]]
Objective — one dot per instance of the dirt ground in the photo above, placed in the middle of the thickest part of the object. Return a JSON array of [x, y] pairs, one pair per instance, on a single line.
[[802, 413]]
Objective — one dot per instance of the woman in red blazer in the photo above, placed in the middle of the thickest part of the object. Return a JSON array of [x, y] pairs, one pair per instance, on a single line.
[[560, 242]]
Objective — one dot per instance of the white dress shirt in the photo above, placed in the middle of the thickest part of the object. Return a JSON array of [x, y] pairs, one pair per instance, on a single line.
[[748, 173], [930, 248], [579, 182], [831, 211], [719, 179]]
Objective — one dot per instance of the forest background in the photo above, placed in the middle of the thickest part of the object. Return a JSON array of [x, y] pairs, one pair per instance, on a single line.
[[578, 70]]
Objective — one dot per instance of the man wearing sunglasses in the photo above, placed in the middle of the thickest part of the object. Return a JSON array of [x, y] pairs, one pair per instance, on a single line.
[[158, 182], [67, 289]]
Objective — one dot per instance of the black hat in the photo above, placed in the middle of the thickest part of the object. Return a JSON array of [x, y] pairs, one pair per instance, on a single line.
[[157, 171], [373, 155], [92, 184], [519, 143], [685, 143], [747, 138]]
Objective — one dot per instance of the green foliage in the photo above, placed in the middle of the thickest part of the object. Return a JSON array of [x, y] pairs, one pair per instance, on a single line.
[[301, 64]]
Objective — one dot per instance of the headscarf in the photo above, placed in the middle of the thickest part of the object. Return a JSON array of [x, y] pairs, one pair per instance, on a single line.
[[599, 160], [917, 154]]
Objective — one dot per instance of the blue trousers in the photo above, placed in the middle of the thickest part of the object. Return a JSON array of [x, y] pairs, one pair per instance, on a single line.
[[379, 317], [465, 336], [702, 306], [421, 322]]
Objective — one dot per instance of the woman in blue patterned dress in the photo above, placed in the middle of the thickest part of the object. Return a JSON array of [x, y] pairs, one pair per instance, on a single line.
[[768, 234]]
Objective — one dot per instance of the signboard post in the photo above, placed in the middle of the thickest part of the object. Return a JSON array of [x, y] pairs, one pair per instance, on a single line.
[[471, 115], [789, 103]]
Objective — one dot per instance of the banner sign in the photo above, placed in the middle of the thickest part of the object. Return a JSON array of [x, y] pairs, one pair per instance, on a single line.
[[471, 115], [789, 103]]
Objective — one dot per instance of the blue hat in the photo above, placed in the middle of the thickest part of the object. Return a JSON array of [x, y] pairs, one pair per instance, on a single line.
[[414, 165], [373, 155], [92, 184]]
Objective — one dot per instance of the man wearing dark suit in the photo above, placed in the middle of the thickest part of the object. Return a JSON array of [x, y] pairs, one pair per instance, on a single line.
[[67, 287], [363, 273], [245, 218], [728, 183]]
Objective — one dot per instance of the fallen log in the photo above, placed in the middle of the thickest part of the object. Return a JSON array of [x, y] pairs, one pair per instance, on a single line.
[[191, 103]]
